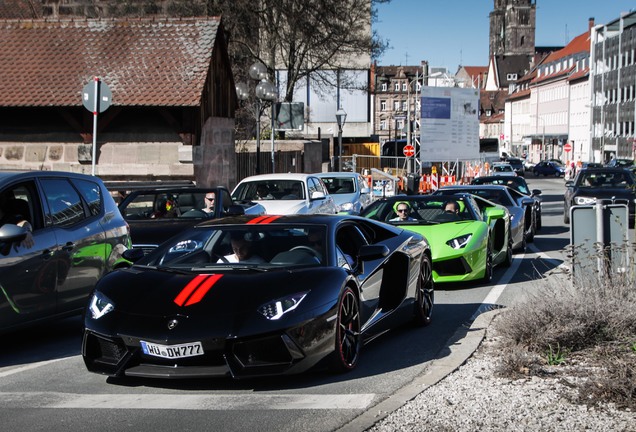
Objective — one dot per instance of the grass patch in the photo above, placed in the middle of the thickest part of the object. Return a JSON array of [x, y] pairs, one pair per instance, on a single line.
[[583, 326]]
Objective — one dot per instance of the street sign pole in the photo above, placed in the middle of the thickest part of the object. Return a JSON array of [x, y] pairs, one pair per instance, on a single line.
[[95, 110], [96, 98]]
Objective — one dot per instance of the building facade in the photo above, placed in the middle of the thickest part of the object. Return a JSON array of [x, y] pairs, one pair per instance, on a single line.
[[613, 97]]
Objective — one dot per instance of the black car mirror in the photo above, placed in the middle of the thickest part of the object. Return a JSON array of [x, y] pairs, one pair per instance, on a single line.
[[133, 255], [235, 210], [536, 192], [370, 252], [569, 183]]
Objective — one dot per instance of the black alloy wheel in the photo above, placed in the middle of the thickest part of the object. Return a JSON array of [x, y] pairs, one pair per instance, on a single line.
[[508, 261], [488, 271], [425, 294], [347, 339]]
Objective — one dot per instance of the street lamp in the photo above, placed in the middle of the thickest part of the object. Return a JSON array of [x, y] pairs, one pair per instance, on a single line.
[[341, 117], [265, 92]]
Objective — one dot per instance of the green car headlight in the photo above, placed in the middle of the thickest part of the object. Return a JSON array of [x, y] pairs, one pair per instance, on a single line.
[[279, 307], [459, 242], [100, 305], [581, 200]]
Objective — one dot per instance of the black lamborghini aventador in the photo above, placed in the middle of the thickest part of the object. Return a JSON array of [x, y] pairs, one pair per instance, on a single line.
[[258, 295]]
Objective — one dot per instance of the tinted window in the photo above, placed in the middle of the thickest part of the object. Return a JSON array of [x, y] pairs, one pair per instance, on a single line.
[[92, 195], [65, 205]]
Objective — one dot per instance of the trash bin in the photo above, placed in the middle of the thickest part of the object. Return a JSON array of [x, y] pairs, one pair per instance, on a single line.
[[412, 184]]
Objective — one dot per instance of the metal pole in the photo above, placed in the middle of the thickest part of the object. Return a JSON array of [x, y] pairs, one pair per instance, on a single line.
[[95, 111], [258, 136], [339, 148], [273, 163]]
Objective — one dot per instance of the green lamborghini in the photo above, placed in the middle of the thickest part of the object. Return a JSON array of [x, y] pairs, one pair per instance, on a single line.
[[468, 235]]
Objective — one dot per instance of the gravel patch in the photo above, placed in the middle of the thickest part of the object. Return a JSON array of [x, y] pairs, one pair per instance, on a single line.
[[474, 398]]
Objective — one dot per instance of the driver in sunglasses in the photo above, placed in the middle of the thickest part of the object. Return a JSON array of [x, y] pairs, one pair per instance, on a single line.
[[209, 202], [403, 211]]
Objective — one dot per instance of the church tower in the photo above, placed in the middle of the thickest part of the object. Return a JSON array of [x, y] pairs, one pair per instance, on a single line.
[[512, 26]]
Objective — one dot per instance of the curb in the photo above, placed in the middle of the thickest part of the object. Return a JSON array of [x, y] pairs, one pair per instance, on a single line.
[[462, 345]]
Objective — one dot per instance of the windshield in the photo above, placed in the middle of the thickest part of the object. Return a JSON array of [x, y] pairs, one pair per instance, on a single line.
[[270, 190], [421, 210], [516, 183], [168, 205], [254, 246], [605, 179], [339, 185]]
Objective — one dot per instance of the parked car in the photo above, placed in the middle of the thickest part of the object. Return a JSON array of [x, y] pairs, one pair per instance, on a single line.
[[591, 165], [517, 165], [283, 194], [548, 168], [520, 185], [155, 215], [182, 312], [502, 168], [76, 236], [465, 246], [620, 163], [350, 191], [520, 207], [612, 184]]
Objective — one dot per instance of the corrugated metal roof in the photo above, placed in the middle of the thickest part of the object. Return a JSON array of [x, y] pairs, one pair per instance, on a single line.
[[145, 62]]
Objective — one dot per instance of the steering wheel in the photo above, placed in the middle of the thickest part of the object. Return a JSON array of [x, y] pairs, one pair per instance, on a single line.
[[312, 251]]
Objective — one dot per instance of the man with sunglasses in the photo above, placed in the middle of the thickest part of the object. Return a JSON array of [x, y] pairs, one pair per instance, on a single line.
[[403, 211], [209, 203]]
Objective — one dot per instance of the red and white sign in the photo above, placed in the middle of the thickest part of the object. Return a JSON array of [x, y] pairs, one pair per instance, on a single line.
[[409, 150], [567, 147]]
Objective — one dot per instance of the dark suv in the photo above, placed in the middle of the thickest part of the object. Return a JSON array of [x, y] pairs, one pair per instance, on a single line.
[[59, 234], [517, 165], [613, 184]]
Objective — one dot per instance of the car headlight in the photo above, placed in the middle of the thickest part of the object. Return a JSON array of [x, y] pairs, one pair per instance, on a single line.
[[580, 200], [459, 242], [277, 308], [100, 305], [346, 206]]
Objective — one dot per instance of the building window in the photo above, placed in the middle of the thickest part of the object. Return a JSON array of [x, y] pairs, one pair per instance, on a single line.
[[397, 86], [384, 87], [396, 105], [382, 124], [382, 105], [404, 86], [404, 106], [488, 113], [418, 86]]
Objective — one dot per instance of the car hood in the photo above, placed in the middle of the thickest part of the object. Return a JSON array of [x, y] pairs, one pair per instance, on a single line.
[[148, 292], [282, 207], [605, 192], [440, 233]]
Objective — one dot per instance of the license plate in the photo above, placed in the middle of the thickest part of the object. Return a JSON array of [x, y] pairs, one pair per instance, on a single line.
[[191, 349]]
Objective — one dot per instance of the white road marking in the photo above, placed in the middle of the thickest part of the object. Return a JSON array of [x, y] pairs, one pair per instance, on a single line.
[[185, 401], [29, 367], [495, 291]]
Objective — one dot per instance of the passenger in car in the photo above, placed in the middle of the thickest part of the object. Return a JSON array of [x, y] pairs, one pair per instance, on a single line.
[[243, 251]]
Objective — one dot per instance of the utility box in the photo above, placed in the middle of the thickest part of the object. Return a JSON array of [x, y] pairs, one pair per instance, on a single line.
[[599, 237]]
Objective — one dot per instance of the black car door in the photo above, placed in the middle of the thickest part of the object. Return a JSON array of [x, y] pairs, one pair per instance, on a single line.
[[81, 253], [28, 274]]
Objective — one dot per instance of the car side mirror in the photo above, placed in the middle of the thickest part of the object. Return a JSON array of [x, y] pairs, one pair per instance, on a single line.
[[317, 195], [569, 183], [371, 252], [235, 210], [494, 213], [365, 190], [133, 255], [536, 192]]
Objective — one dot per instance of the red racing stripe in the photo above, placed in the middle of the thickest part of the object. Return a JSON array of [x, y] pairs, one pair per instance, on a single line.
[[257, 220], [203, 289], [196, 289], [269, 219]]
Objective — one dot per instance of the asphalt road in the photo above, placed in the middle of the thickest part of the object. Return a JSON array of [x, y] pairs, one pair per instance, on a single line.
[[45, 386]]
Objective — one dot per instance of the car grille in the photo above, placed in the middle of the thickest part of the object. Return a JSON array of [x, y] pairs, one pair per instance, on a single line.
[[452, 267]]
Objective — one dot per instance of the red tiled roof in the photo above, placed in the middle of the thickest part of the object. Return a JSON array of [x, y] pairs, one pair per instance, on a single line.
[[145, 62], [580, 74], [521, 94], [581, 43], [561, 73]]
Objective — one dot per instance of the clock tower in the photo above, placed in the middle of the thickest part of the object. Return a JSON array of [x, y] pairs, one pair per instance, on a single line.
[[512, 27]]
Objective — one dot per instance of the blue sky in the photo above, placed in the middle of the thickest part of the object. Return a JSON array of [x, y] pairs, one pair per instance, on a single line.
[[448, 33]]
